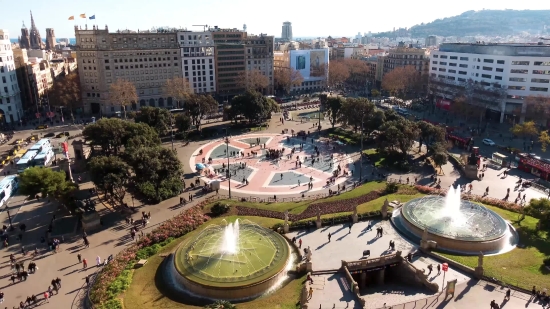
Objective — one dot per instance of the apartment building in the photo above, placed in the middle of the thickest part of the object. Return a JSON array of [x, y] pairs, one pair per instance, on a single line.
[[521, 70], [407, 56], [146, 58], [197, 52], [10, 97], [259, 57]]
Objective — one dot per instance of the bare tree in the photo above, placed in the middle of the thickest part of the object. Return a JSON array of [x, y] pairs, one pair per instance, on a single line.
[[252, 80], [401, 80], [286, 78], [537, 108], [123, 93], [358, 72], [338, 72], [178, 88]]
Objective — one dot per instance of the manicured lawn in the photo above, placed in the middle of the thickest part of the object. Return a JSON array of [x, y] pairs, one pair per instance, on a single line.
[[522, 266], [375, 156], [143, 292], [377, 203]]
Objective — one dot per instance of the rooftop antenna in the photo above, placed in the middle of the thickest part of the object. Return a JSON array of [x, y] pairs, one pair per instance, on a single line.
[[203, 27]]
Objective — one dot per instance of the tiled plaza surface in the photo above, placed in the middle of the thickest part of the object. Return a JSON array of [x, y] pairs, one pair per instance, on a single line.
[[268, 176]]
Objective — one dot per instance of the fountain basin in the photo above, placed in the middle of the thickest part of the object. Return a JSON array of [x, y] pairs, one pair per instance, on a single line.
[[464, 227], [233, 262]]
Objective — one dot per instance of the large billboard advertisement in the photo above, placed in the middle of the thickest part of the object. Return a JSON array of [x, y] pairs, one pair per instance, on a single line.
[[312, 64]]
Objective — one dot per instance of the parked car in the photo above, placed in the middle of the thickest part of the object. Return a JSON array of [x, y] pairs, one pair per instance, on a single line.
[[489, 142]]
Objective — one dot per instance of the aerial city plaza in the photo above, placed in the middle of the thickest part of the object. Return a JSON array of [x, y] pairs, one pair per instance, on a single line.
[[213, 168]]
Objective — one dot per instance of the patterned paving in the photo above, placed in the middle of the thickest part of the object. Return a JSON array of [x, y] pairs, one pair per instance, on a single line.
[[248, 161]]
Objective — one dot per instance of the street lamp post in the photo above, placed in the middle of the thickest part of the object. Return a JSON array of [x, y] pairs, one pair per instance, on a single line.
[[171, 132], [228, 169], [361, 153], [9, 216]]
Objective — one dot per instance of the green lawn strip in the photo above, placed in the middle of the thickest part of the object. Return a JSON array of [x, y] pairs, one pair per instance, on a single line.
[[361, 190], [521, 267], [144, 294]]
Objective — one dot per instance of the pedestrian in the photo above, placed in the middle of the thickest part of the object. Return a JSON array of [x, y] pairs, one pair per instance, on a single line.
[[98, 260], [50, 290], [329, 236], [310, 293], [84, 263], [430, 268], [438, 269], [47, 297], [508, 292], [79, 258], [300, 243], [349, 232], [58, 282], [87, 280]]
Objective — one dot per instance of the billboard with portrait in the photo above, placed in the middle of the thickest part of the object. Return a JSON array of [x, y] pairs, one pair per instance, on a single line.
[[312, 63]]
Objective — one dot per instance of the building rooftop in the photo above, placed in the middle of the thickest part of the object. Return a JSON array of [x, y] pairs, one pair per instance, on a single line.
[[498, 49]]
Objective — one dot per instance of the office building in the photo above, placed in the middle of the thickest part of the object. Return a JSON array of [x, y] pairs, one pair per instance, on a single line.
[[312, 65], [431, 41], [146, 58], [197, 53], [10, 97], [286, 33], [259, 57], [518, 70], [35, 40], [50, 39]]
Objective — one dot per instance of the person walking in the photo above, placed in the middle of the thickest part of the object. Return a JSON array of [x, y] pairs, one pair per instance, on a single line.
[[310, 293], [47, 296], [329, 237], [349, 231], [79, 258], [84, 263], [300, 243]]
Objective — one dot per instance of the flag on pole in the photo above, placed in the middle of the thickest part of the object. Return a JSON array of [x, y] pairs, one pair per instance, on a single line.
[[82, 15], [71, 18], [92, 17]]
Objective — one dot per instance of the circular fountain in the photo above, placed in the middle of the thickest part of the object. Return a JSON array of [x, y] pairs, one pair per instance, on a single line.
[[456, 225], [232, 261]]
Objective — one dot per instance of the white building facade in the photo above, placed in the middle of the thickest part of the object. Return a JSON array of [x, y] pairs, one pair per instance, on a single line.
[[198, 65], [521, 70], [10, 97]]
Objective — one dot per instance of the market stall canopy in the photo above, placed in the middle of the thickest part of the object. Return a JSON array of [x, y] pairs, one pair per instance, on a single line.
[[199, 166]]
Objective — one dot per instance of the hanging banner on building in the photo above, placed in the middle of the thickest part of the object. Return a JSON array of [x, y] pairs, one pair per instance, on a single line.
[[65, 147]]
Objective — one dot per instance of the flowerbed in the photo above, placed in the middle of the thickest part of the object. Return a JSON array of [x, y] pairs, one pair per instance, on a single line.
[[474, 198], [116, 276], [312, 210]]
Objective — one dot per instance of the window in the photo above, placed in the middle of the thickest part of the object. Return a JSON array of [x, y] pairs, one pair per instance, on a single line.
[[442, 70], [453, 58], [106, 60], [107, 67], [517, 71], [464, 58], [463, 65], [462, 72], [452, 71], [436, 56], [433, 62], [487, 68], [540, 80], [517, 79], [516, 87], [486, 76], [544, 72], [452, 64], [451, 77], [538, 89], [520, 62], [434, 69], [488, 60], [443, 63], [460, 79], [500, 61], [545, 63], [443, 56], [499, 70]]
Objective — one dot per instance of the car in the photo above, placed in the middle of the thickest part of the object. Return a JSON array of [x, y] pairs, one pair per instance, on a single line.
[[489, 142], [42, 126]]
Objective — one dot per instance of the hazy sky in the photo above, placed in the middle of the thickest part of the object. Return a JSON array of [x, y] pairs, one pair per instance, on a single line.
[[309, 18]]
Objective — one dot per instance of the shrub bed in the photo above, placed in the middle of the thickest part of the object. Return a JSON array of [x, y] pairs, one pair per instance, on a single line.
[[117, 275], [334, 220], [324, 208]]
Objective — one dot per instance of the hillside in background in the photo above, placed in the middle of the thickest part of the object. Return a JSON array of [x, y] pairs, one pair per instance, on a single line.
[[486, 22]]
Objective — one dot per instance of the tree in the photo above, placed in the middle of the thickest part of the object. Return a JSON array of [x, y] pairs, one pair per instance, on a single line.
[[537, 108], [358, 71], [334, 109], [397, 135], [544, 139], [177, 88], [356, 111], [123, 93], [375, 93], [253, 106], [157, 172], [252, 80], [286, 78], [47, 182], [183, 122], [429, 133], [338, 73], [111, 175], [526, 129], [221, 304], [108, 135], [65, 92], [159, 119], [199, 106], [401, 80]]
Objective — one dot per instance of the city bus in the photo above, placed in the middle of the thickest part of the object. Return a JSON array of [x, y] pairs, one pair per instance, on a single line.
[[43, 158], [26, 160], [8, 187], [45, 142]]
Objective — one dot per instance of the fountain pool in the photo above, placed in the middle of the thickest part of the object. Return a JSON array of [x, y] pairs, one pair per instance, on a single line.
[[233, 260], [456, 225]]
